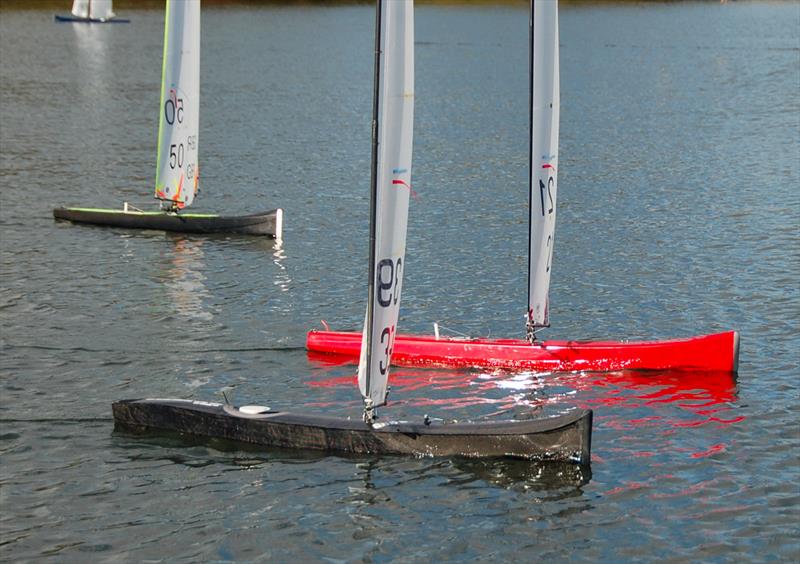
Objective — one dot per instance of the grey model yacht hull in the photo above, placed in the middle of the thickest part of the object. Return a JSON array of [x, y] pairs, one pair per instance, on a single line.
[[268, 223]]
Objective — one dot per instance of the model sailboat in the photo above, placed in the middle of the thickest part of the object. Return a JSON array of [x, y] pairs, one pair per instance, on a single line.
[[92, 11], [708, 352], [177, 169], [564, 438]]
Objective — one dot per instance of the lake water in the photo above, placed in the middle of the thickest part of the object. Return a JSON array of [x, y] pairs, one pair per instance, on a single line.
[[679, 214]]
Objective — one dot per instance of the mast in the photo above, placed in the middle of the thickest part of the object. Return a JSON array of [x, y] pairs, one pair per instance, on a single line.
[[529, 326], [373, 211], [543, 158], [392, 135]]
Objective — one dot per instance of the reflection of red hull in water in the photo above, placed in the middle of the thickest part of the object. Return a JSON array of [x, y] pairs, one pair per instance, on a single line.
[[719, 351], [618, 398], [707, 395]]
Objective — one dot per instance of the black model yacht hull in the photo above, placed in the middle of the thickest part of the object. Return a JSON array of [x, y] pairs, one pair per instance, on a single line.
[[563, 438]]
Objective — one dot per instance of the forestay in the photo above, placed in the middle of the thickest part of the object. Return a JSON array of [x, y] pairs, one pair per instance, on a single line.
[[544, 113], [177, 171], [391, 187]]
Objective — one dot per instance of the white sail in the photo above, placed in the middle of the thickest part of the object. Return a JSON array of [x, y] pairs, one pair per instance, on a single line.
[[177, 172], [543, 155], [391, 191], [101, 9], [80, 8]]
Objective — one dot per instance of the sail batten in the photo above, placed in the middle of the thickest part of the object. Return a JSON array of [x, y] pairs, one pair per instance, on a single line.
[[393, 130], [544, 114], [177, 172]]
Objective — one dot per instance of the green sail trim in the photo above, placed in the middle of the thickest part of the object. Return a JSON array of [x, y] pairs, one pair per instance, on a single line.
[[161, 100], [132, 212]]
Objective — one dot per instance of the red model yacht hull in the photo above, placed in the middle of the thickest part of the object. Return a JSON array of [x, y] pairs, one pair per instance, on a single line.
[[719, 351]]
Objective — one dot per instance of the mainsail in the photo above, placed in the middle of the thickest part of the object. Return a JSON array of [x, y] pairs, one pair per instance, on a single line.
[[80, 8], [177, 172], [544, 115], [393, 118], [93, 9], [101, 9]]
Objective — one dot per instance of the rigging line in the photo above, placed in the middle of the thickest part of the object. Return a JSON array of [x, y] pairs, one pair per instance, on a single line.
[[454, 331], [465, 335], [60, 420], [529, 314], [252, 349], [132, 351], [96, 189]]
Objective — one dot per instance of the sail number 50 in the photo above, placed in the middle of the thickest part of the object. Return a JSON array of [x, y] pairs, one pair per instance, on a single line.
[[388, 281], [176, 155]]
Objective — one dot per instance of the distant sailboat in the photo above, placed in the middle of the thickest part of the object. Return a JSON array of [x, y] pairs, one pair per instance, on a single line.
[[565, 438], [92, 11], [707, 352], [177, 168]]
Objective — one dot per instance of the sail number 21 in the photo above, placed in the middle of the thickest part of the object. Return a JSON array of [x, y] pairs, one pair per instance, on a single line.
[[549, 189]]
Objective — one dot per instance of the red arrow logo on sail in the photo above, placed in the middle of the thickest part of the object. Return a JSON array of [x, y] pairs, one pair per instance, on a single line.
[[401, 182], [404, 183]]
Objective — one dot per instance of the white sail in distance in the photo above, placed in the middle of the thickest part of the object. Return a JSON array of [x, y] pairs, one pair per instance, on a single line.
[[177, 172], [80, 8], [393, 126], [93, 9], [101, 9], [544, 114]]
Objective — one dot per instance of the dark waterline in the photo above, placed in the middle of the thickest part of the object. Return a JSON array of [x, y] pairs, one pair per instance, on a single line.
[[678, 214]]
